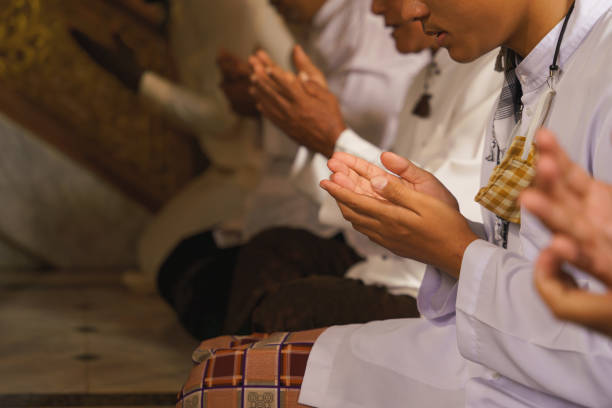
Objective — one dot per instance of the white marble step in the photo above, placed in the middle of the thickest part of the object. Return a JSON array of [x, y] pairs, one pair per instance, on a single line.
[[54, 208]]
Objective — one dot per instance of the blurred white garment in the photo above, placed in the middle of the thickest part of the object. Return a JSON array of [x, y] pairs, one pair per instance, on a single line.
[[448, 143], [370, 78], [198, 30], [362, 67]]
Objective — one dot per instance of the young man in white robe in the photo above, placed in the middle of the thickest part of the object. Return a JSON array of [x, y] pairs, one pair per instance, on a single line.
[[447, 140], [205, 260], [488, 339], [450, 138], [228, 133]]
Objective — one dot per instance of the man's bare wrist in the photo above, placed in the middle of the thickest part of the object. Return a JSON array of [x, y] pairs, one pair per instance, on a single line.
[[454, 267]]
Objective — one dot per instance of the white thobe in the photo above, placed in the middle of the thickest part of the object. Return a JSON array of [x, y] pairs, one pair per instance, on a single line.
[[347, 41], [198, 30], [501, 340], [370, 78], [448, 143]]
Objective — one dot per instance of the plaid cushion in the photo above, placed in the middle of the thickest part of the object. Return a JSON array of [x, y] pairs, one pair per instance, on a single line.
[[509, 178], [256, 371]]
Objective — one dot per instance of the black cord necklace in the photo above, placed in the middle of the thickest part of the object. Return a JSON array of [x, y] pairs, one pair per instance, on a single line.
[[422, 108], [554, 67]]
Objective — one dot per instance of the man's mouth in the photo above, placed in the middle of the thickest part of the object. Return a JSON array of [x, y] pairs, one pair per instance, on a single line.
[[434, 32], [439, 35]]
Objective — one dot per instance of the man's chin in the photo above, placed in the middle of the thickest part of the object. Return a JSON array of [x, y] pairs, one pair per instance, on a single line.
[[461, 55]]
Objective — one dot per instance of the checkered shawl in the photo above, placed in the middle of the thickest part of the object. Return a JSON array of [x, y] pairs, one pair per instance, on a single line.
[[256, 371], [507, 181]]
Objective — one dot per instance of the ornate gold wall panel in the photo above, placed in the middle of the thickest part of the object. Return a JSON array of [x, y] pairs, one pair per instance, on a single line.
[[52, 87]]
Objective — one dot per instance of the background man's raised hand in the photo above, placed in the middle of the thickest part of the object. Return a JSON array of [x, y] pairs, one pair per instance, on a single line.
[[300, 105], [236, 82]]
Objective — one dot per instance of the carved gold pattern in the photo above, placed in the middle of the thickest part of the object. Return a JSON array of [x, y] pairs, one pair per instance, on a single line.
[[40, 61], [23, 39]]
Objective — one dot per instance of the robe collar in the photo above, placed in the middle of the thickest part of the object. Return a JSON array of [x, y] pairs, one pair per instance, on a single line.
[[533, 71]]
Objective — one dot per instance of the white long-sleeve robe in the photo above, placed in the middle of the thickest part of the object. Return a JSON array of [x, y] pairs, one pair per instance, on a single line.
[[488, 339], [448, 143], [198, 30]]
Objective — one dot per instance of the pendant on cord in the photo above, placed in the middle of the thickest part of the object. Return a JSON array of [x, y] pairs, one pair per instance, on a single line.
[[422, 109]]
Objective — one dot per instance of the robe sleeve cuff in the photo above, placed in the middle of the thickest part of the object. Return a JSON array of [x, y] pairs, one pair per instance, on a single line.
[[198, 114], [350, 142], [307, 171], [437, 295]]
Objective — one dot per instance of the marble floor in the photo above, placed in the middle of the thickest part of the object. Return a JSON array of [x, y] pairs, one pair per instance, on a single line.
[[79, 338]]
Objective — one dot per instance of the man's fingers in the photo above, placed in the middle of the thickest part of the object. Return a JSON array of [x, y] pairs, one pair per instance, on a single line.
[[402, 167], [547, 281], [303, 63], [257, 67], [260, 79], [284, 82], [311, 87], [393, 190], [358, 186], [567, 301], [547, 174], [362, 167], [547, 210], [343, 180], [565, 248], [564, 298], [232, 67], [264, 58], [339, 167], [359, 221], [357, 202], [577, 179], [550, 150], [264, 94], [587, 257], [370, 207]]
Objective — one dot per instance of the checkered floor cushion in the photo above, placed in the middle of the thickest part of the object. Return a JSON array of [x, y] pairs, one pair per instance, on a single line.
[[256, 371]]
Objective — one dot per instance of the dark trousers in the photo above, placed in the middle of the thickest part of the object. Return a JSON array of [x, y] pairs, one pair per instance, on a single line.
[[282, 280]]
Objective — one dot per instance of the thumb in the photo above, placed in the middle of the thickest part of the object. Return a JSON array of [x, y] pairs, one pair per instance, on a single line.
[[546, 270], [392, 189], [304, 64], [403, 167]]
